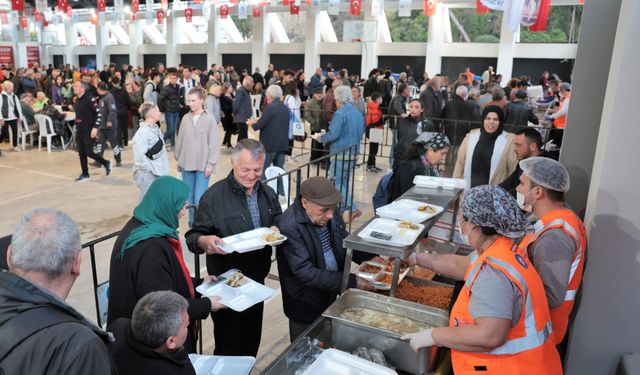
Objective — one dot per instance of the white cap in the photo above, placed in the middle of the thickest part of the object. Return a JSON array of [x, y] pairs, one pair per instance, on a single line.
[[547, 173]]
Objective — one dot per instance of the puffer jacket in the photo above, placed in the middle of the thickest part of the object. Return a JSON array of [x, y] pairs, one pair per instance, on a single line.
[[169, 98], [67, 343]]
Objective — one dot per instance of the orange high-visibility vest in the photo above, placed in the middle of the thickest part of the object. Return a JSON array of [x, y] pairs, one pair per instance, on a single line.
[[560, 122], [566, 220], [529, 349]]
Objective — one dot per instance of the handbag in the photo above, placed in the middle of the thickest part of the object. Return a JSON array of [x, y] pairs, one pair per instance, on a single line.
[[376, 135]]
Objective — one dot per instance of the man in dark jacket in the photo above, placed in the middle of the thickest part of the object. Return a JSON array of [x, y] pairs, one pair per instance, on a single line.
[[151, 342], [169, 103], [385, 88], [257, 77], [123, 102], [88, 119], [431, 99], [518, 113], [459, 117], [40, 333], [274, 129], [242, 108], [109, 123], [313, 115], [371, 85], [236, 204], [311, 261]]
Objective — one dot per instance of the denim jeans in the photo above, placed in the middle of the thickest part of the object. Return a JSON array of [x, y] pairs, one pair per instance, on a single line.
[[277, 158], [198, 184], [172, 124], [342, 171]]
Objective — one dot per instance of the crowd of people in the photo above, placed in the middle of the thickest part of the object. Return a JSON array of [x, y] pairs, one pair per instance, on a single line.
[[508, 316]]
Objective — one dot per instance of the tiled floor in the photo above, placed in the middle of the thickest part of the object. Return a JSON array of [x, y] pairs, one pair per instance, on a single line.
[[101, 206]]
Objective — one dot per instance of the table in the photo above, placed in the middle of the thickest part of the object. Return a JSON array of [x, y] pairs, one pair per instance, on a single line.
[[439, 196], [70, 118]]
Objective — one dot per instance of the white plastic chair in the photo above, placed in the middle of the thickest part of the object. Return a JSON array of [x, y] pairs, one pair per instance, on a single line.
[[25, 132], [272, 172], [255, 104], [46, 131]]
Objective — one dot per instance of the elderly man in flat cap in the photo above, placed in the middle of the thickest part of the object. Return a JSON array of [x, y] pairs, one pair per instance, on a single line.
[[311, 261]]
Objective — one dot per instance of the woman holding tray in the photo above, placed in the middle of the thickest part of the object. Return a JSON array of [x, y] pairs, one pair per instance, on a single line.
[[421, 159], [500, 323], [147, 257]]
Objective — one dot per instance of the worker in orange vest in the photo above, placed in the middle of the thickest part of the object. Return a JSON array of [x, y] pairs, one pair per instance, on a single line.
[[560, 117], [500, 323], [557, 247]]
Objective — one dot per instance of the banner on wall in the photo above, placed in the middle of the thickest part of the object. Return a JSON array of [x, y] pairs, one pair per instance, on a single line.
[[33, 55], [404, 8], [242, 10], [6, 55]]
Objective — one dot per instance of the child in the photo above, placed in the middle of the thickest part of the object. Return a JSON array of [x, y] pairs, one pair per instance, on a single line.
[[374, 120]]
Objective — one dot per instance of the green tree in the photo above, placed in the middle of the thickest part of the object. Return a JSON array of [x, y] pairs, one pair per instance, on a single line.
[[244, 26], [481, 28], [408, 29]]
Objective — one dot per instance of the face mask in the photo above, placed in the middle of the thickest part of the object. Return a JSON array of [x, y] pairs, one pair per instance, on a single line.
[[464, 237], [520, 198]]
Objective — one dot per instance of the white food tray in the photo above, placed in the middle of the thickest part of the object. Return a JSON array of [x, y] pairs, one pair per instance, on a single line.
[[336, 362], [439, 182], [221, 365], [369, 276], [407, 209], [248, 241], [239, 298], [399, 236]]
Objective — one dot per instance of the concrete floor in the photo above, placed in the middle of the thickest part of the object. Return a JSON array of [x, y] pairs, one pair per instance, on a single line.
[[103, 205]]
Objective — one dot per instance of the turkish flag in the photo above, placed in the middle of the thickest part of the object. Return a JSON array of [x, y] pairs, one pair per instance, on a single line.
[[38, 16], [224, 11], [285, 2], [102, 5], [429, 7], [188, 14], [160, 16], [17, 4], [62, 5], [354, 7], [132, 17], [257, 12], [293, 8], [93, 19], [481, 9], [543, 17], [234, 1], [135, 6], [23, 21], [69, 12], [45, 23]]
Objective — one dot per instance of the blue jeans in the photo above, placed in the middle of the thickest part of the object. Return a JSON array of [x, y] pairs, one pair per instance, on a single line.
[[172, 124], [277, 158], [343, 181], [198, 184]]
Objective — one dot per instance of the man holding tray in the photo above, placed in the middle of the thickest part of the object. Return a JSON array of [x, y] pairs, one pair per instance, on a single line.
[[237, 204], [311, 261]]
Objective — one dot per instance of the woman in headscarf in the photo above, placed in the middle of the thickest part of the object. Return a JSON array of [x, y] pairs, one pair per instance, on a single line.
[[486, 155], [422, 158], [500, 323], [147, 257]]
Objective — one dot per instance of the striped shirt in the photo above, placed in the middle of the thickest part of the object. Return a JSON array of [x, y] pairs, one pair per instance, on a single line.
[[327, 248], [254, 210]]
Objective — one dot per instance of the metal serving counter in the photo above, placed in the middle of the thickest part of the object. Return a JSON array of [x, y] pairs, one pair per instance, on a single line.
[[333, 331], [439, 196]]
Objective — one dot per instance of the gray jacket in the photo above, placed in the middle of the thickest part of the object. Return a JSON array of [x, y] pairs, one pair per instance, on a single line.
[[109, 111], [242, 108], [212, 105]]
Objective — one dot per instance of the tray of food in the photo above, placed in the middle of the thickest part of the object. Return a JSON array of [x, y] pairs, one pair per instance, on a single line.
[[439, 182], [236, 291], [337, 362], [423, 273], [425, 292], [252, 240], [409, 210], [391, 232], [369, 270]]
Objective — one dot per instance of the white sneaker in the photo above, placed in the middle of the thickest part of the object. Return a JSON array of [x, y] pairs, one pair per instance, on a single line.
[[17, 149]]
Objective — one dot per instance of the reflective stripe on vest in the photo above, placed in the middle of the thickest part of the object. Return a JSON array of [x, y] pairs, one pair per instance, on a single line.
[[570, 294], [533, 338]]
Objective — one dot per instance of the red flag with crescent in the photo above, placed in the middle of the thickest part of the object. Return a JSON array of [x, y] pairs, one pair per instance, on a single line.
[[224, 11], [257, 11], [23, 21], [429, 7], [160, 16], [543, 17], [102, 5], [188, 14], [481, 9], [62, 5], [17, 4], [293, 8], [354, 7]]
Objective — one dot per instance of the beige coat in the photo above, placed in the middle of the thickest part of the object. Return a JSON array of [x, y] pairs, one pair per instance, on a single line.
[[197, 146], [505, 166]]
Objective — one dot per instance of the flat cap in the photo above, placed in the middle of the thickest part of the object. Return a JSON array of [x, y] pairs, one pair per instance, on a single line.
[[320, 190]]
